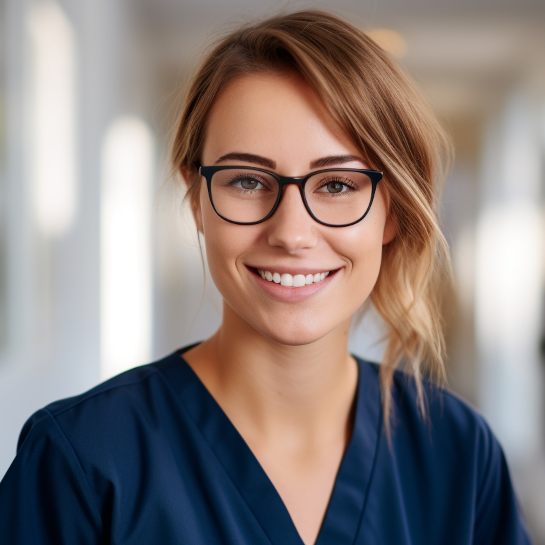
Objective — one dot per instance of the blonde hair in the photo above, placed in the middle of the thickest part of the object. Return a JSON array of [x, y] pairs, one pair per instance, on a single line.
[[383, 113]]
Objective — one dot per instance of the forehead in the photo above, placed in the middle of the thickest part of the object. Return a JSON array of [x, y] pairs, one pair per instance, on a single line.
[[272, 114]]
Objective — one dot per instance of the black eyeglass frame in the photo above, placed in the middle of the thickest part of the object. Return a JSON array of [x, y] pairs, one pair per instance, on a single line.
[[208, 172]]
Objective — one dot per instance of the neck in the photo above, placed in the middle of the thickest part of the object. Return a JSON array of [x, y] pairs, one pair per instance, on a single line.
[[268, 388]]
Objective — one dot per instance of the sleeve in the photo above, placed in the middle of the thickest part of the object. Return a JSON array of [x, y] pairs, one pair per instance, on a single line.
[[498, 520], [44, 496]]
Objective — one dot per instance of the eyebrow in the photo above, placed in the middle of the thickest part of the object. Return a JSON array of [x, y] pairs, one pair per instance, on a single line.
[[330, 160], [247, 158]]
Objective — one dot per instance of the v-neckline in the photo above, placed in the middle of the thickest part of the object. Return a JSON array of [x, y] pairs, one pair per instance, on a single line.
[[347, 502]]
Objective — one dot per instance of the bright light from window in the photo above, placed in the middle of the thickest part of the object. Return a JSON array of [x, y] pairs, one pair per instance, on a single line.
[[52, 107], [126, 301], [509, 279]]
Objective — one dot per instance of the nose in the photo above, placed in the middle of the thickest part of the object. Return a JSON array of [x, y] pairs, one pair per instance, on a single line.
[[291, 226]]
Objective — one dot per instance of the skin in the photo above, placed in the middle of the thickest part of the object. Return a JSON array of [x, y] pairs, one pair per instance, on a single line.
[[280, 369]]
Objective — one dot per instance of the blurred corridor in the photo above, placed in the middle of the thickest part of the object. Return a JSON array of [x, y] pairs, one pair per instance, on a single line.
[[100, 267]]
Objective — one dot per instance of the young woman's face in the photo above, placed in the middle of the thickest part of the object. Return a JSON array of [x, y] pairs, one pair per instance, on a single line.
[[282, 121]]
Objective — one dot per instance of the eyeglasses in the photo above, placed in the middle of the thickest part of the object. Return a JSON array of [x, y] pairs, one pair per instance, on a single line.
[[334, 197]]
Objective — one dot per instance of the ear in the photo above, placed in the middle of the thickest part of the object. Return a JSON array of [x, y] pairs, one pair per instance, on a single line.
[[194, 196], [390, 227], [196, 210]]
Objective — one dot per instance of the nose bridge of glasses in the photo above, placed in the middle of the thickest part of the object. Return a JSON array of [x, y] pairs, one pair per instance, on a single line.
[[292, 205], [291, 209], [285, 181]]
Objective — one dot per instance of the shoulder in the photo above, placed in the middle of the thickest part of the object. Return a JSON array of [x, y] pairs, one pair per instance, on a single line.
[[80, 455], [110, 390], [451, 440], [106, 412], [452, 460], [446, 414], [448, 420]]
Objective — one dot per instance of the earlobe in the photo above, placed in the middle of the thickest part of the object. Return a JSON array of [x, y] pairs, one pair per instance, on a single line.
[[390, 226], [197, 214], [194, 199], [390, 229]]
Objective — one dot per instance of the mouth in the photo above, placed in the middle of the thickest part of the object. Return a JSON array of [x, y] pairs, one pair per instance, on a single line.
[[292, 280]]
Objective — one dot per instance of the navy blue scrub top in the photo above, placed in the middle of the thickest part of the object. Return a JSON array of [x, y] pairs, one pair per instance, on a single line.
[[150, 457]]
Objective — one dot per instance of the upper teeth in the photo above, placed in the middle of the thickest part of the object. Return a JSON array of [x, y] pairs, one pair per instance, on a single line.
[[296, 280]]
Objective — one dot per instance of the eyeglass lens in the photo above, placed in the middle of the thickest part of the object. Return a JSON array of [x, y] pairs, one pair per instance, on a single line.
[[334, 197]]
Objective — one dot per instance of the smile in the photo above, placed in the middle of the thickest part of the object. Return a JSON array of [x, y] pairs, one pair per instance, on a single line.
[[295, 281]]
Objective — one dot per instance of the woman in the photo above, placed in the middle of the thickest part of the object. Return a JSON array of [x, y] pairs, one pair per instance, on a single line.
[[311, 165]]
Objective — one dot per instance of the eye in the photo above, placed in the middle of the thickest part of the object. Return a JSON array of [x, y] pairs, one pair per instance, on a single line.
[[335, 186], [246, 183]]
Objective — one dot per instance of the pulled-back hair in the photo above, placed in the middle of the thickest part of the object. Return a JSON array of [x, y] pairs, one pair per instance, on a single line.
[[384, 115]]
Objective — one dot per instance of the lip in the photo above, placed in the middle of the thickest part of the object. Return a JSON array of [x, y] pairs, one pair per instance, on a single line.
[[290, 270], [289, 294]]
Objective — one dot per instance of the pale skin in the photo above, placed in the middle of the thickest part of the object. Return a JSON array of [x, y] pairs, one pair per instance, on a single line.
[[281, 370]]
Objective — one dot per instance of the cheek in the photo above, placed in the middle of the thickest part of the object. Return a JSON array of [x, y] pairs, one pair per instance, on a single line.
[[362, 246], [220, 245], [225, 243], [359, 247]]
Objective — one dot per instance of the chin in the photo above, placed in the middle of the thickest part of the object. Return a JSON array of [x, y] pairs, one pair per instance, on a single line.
[[295, 336]]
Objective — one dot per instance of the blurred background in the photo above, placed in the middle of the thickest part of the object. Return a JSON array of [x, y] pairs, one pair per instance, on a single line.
[[99, 263]]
